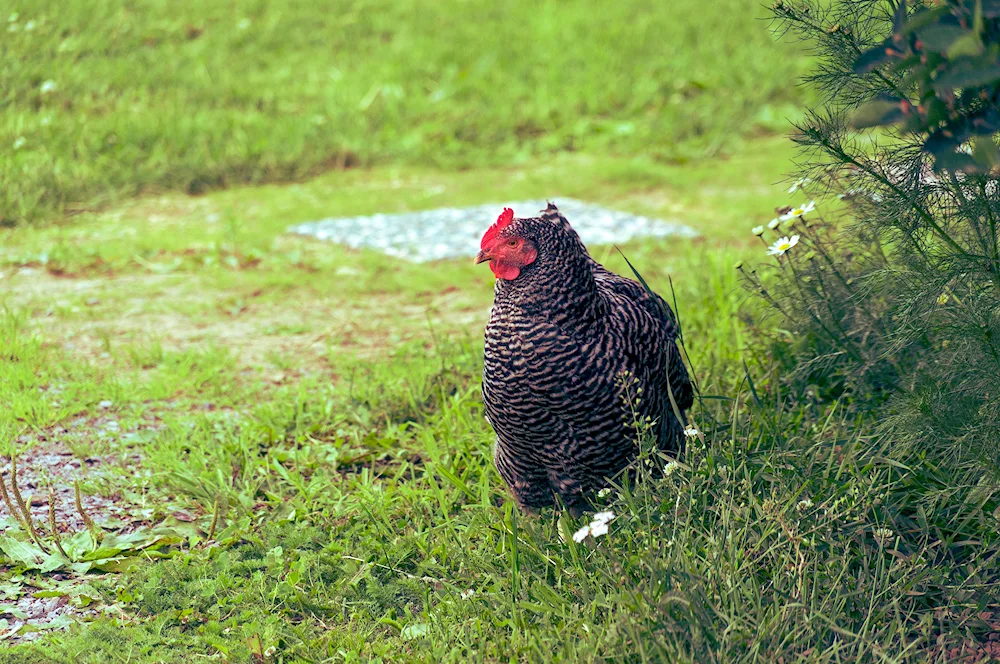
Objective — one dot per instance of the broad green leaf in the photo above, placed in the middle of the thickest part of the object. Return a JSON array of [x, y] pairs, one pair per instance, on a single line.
[[955, 161], [54, 561], [986, 153], [967, 74], [937, 111], [923, 18], [906, 64], [42, 594], [11, 610], [116, 544], [415, 631], [917, 73], [84, 601], [59, 622], [10, 590], [102, 553], [22, 553], [180, 529], [133, 540], [966, 45], [940, 37], [940, 143], [80, 568], [79, 544], [119, 564], [874, 57], [878, 113]]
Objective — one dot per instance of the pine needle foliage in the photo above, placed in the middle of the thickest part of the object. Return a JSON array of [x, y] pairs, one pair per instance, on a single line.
[[897, 307]]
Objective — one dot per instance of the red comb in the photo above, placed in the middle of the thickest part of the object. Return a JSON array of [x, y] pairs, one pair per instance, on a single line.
[[505, 219]]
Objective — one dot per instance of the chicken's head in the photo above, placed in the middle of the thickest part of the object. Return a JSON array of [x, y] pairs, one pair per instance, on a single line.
[[505, 249]]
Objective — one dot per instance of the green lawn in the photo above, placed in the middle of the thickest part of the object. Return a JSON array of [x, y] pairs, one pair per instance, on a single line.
[[102, 99], [314, 474]]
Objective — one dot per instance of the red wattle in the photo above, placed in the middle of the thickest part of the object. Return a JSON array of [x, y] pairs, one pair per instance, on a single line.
[[504, 270]]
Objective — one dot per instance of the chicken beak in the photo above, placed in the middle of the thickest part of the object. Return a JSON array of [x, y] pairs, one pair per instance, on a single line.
[[482, 257]]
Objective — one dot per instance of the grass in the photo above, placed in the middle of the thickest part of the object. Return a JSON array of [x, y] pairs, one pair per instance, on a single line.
[[721, 198], [331, 431], [340, 451], [103, 100], [295, 429]]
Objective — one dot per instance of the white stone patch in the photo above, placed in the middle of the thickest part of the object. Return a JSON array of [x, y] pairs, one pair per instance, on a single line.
[[431, 235]]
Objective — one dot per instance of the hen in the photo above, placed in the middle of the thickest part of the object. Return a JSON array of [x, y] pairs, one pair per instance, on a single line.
[[569, 347]]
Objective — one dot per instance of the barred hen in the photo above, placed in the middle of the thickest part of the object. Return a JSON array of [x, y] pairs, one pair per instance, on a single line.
[[569, 347]]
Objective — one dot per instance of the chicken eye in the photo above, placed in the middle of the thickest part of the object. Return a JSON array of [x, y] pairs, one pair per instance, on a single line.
[[512, 243]]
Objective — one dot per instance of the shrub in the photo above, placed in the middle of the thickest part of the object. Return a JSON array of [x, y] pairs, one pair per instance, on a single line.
[[889, 304], [899, 308]]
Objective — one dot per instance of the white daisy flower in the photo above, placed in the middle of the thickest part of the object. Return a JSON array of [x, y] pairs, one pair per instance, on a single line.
[[466, 594], [604, 493], [671, 468], [795, 213], [799, 184], [691, 431], [757, 230], [804, 504], [773, 224], [597, 527], [602, 517], [782, 245]]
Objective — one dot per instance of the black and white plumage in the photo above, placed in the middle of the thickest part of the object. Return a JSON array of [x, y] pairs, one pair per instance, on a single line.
[[567, 344]]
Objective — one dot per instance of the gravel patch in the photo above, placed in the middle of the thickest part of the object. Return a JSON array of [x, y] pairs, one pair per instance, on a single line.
[[431, 235], [48, 463]]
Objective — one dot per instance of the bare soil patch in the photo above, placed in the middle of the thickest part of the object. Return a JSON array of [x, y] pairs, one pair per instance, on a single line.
[[33, 602], [180, 312]]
